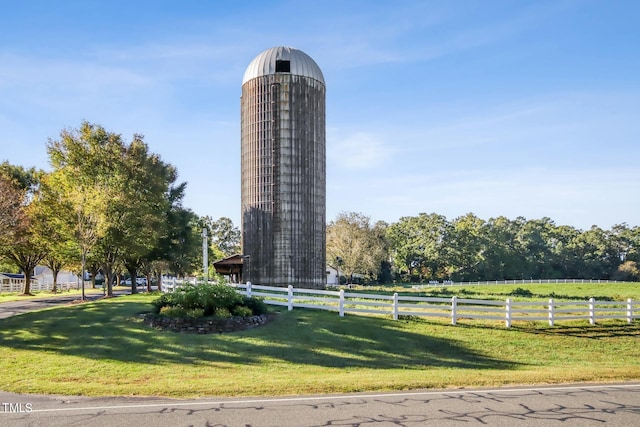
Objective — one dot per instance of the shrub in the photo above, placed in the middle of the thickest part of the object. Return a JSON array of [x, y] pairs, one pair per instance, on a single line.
[[215, 299], [163, 301], [520, 292], [194, 313], [257, 305], [222, 312], [219, 296], [173, 312], [242, 311]]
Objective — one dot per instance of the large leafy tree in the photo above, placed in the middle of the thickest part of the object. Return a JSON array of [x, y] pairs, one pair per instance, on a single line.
[[182, 247], [501, 259], [12, 212], [418, 244], [178, 248], [356, 245], [53, 218], [120, 195], [86, 172], [225, 237], [466, 247], [599, 256], [149, 188], [535, 239], [21, 245]]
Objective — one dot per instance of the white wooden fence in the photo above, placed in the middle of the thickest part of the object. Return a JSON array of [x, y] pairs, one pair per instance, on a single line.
[[17, 285], [453, 308], [433, 283]]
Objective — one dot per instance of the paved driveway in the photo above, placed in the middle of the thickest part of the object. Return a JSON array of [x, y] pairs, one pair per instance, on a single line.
[[13, 308]]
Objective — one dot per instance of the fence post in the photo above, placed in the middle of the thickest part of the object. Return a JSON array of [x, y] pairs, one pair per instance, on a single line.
[[508, 313], [290, 297], [551, 319], [341, 303], [249, 289], [395, 306], [629, 311], [454, 309], [592, 311]]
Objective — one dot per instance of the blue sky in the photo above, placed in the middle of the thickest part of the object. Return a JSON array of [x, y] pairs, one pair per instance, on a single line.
[[513, 108]]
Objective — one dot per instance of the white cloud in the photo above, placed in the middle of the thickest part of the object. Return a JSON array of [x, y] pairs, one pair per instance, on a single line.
[[359, 150]]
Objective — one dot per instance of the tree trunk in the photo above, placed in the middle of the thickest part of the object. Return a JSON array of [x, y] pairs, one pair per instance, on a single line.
[[26, 290], [93, 269], [133, 272], [108, 274], [28, 272], [54, 288], [159, 276]]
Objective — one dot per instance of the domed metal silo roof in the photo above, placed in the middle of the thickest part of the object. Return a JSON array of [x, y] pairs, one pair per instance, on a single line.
[[283, 59]]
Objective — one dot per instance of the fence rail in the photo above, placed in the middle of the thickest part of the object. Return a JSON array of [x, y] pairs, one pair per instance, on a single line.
[[433, 283], [17, 285], [454, 308]]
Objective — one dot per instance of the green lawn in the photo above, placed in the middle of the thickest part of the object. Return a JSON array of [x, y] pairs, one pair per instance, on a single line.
[[103, 348], [539, 292]]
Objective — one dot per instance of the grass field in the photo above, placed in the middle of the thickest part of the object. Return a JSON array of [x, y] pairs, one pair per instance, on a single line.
[[538, 292], [103, 348]]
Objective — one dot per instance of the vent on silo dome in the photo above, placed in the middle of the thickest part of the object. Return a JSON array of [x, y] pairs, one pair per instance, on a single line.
[[283, 66]]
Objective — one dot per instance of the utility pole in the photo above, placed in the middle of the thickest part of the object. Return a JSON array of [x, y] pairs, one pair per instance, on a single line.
[[205, 254]]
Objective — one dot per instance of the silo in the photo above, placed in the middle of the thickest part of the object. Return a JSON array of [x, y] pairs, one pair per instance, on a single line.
[[283, 162]]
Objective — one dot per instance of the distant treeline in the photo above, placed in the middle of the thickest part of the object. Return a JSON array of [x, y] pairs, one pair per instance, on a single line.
[[430, 247]]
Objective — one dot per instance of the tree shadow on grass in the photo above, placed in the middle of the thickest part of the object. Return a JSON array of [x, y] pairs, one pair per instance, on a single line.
[[597, 331], [114, 331]]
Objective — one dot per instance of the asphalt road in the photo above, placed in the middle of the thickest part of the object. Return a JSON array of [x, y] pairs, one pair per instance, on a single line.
[[578, 405], [13, 308]]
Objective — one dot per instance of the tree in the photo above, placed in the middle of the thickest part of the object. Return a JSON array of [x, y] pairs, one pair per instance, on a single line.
[[626, 242], [466, 247], [26, 179], [12, 213], [53, 217], [418, 244], [183, 246], [179, 247], [22, 247], [628, 270], [26, 254], [225, 237], [87, 171], [501, 259], [597, 254], [360, 246], [534, 241], [149, 193], [120, 193]]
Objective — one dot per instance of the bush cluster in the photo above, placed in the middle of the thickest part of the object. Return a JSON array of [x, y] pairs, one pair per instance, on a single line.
[[521, 292], [203, 300]]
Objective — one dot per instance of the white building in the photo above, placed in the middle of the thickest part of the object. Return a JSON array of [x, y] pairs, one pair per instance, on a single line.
[[44, 276]]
